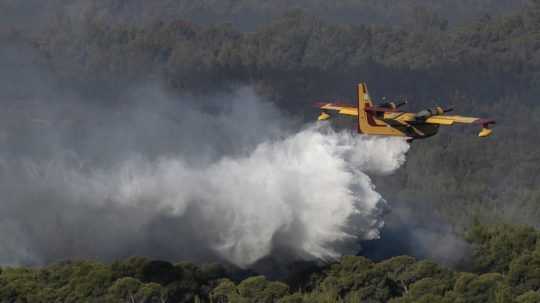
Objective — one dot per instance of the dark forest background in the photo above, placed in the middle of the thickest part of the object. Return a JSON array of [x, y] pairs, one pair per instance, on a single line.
[[481, 56]]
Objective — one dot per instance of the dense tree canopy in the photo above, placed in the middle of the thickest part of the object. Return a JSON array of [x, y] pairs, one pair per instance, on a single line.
[[506, 269], [246, 15]]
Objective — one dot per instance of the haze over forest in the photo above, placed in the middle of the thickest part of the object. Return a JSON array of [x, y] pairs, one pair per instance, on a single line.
[[105, 102]]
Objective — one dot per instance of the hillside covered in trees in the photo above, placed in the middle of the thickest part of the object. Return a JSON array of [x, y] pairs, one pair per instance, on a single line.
[[247, 15], [505, 263], [482, 57]]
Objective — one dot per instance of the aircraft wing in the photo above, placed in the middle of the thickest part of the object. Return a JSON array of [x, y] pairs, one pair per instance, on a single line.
[[342, 109], [450, 120]]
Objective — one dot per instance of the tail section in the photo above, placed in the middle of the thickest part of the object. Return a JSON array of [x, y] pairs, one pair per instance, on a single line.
[[368, 123], [364, 101]]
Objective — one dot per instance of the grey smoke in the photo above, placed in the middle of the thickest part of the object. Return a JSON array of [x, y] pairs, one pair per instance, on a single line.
[[415, 228], [57, 153], [226, 177]]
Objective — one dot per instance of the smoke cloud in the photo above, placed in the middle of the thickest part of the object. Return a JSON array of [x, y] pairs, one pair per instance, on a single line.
[[226, 177], [415, 228]]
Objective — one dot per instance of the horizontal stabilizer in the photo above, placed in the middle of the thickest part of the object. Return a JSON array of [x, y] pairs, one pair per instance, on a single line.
[[350, 111], [343, 109]]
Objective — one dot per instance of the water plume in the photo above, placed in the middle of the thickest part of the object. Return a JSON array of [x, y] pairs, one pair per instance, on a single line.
[[305, 192]]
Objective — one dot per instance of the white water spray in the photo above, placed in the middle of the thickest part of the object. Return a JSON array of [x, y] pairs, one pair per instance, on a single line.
[[175, 182], [301, 193]]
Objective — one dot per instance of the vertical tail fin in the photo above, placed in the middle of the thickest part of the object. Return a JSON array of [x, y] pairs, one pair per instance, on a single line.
[[368, 123], [364, 100]]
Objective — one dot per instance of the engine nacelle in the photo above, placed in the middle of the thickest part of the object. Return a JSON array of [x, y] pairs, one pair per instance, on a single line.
[[431, 112], [392, 105]]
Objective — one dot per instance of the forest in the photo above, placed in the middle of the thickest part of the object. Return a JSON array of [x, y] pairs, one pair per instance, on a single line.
[[247, 15], [503, 269], [481, 57]]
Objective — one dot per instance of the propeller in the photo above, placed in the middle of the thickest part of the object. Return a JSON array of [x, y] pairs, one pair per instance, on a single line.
[[391, 105]]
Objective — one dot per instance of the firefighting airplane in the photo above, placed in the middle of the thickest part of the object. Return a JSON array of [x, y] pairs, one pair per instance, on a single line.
[[386, 120]]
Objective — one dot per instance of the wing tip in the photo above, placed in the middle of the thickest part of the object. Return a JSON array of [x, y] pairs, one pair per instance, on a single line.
[[486, 122], [319, 104]]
